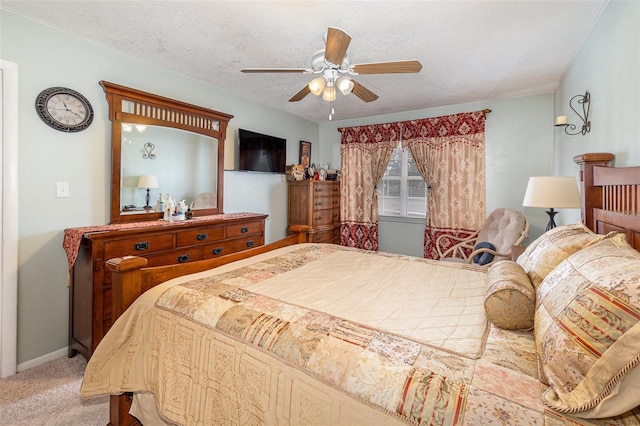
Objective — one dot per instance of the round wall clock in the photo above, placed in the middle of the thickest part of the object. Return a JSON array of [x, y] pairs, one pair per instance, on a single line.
[[64, 109]]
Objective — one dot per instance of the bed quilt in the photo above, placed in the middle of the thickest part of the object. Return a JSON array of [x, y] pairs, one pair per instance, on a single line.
[[308, 335]]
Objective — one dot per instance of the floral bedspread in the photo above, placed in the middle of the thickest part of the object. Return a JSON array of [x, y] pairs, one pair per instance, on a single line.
[[211, 350]]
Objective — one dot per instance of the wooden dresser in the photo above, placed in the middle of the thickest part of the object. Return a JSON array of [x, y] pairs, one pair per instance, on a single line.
[[315, 203], [161, 243]]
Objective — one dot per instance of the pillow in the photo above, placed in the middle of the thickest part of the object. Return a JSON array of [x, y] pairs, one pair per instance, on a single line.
[[587, 331], [510, 299], [483, 258], [552, 247]]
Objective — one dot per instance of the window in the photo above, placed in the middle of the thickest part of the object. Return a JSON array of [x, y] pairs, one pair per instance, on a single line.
[[402, 191]]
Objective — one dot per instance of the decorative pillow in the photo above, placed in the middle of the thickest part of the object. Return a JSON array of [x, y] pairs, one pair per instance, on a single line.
[[510, 300], [483, 258], [554, 246], [587, 331]]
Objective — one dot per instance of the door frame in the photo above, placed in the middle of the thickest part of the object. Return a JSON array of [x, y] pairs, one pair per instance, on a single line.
[[9, 217]]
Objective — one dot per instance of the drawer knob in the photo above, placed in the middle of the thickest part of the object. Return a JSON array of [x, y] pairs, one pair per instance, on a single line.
[[217, 250], [202, 237], [142, 246], [244, 229], [183, 258], [250, 243]]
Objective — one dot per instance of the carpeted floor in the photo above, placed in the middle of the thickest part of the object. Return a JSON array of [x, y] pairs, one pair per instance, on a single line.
[[49, 395]]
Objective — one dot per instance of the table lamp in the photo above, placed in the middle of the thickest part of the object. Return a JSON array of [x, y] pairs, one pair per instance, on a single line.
[[552, 192], [148, 182]]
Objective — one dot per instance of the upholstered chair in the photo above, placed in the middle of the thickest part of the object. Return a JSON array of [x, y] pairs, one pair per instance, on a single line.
[[503, 229]]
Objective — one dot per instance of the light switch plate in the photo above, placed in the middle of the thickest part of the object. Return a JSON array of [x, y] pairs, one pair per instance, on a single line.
[[62, 189]]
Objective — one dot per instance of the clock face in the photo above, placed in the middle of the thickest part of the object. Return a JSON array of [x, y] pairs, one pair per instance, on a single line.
[[64, 109]]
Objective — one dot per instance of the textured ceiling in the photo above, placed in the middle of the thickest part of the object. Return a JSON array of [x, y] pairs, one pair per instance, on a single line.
[[470, 50]]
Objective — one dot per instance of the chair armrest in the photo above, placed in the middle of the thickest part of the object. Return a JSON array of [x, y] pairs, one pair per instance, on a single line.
[[456, 248], [461, 241]]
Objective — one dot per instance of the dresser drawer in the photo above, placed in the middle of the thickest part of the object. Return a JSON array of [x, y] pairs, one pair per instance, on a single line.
[[228, 247], [322, 188], [328, 236], [322, 217], [322, 203], [138, 246], [335, 215], [243, 229], [199, 236], [175, 256]]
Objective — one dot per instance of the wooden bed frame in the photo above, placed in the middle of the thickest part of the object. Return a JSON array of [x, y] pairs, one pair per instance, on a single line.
[[610, 196], [610, 202]]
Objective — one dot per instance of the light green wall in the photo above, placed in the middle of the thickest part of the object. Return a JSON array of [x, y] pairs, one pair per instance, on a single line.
[[608, 66], [48, 57]]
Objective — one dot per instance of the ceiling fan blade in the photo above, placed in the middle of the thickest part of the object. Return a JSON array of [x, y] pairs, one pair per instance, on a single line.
[[363, 93], [388, 67], [274, 70], [301, 94], [336, 45]]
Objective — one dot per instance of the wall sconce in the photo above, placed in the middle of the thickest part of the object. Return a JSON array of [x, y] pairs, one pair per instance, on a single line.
[[561, 120], [148, 151]]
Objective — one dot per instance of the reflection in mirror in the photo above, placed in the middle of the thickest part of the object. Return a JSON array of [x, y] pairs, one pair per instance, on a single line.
[[184, 163]]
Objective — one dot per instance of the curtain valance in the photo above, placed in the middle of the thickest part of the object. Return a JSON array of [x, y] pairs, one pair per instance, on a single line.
[[367, 137], [461, 124]]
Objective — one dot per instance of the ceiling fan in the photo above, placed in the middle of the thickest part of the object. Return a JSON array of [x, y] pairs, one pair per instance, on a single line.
[[335, 70]]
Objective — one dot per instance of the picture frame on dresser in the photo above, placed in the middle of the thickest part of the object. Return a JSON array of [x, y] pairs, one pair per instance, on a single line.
[[305, 153]]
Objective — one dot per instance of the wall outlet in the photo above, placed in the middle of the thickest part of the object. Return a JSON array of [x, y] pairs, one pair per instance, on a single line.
[[62, 189]]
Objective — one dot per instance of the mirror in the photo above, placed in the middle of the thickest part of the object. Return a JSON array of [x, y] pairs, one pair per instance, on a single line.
[[178, 147], [182, 163]]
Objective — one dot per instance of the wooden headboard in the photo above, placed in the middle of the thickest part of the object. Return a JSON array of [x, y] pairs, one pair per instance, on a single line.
[[610, 196]]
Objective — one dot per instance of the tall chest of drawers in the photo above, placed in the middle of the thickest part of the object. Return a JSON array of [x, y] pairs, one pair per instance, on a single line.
[[161, 244], [316, 204]]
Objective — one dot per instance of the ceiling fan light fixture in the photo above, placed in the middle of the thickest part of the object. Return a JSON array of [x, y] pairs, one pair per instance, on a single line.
[[345, 85], [329, 93], [316, 86]]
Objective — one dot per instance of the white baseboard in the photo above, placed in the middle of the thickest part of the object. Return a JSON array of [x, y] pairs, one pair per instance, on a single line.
[[43, 359]]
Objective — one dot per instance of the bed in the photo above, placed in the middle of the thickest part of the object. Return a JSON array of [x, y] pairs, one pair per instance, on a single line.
[[302, 333]]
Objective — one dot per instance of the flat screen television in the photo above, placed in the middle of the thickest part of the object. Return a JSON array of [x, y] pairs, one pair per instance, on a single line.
[[261, 153]]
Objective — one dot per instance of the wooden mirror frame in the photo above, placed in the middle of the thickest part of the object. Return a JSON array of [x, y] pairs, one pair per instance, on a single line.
[[156, 110]]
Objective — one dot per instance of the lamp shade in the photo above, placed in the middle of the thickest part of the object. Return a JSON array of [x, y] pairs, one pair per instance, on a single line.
[[345, 85], [317, 85], [146, 181], [554, 192], [329, 93]]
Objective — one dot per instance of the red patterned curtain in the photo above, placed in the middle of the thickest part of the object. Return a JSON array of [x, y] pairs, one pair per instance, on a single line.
[[449, 152], [365, 152]]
